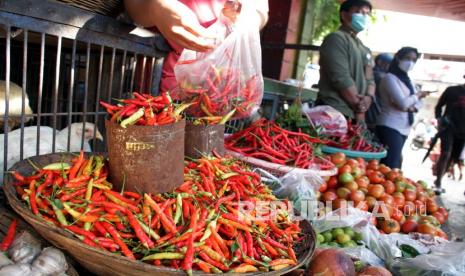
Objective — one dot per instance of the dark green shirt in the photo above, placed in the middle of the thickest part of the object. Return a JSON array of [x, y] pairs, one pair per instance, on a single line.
[[343, 58]]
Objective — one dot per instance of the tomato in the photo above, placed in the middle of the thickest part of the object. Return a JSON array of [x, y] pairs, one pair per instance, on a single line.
[[423, 184], [440, 217], [357, 196], [421, 196], [376, 177], [329, 196], [364, 190], [361, 162], [409, 208], [351, 185], [373, 165], [352, 163], [383, 210], [371, 201], [340, 203], [429, 220], [345, 177], [411, 187], [409, 226], [400, 186], [389, 187], [399, 200], [443, 211], [431, 206], [414, 217], [393, 176], [362, 182], [376, 190], [345, 169], [343, 192], [390, 226], [384, 169], [402, 219], [441, 234], [397, 215], [362, 205], [338, 158], [373, 220], [357, 172], [421, 207], [427, 228], [332, 182], [387, 199], [410, 195], [323, 187]]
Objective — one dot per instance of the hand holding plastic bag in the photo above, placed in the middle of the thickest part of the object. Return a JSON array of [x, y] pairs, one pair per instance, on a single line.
[[227, 80]]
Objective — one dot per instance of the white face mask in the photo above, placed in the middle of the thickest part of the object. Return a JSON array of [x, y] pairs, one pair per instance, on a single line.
[[406, 65]]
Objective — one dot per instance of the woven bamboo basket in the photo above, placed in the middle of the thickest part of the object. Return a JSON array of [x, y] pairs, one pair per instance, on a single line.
[[106, 263], [106, 7]]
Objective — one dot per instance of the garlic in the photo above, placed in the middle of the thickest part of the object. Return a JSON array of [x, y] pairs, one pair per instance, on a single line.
[[50, 261], [16, 270], [24, 248], [4, 260]]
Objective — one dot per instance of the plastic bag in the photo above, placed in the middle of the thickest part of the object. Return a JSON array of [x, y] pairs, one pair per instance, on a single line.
[[299, 189], [50, 262], [332, 121], [444, 259], [228, 79]]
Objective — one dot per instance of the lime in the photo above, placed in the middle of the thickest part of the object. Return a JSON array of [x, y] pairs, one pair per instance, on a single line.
[[358, 236], [337, 231], [349, 244], [320, 238], [342, 238], [333, 244], [349, 231], [327, 236]]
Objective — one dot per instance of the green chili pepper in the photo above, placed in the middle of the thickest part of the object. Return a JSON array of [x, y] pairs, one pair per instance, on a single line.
[[57, 166], [59, 214], [178, 214], [133, 118], [164, 256]]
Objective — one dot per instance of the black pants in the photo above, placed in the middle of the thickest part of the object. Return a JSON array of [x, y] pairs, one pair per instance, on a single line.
[[451, 147], [394, 142]]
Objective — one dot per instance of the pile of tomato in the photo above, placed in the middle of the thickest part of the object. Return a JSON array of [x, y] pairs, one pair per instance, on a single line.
[[398, 203]]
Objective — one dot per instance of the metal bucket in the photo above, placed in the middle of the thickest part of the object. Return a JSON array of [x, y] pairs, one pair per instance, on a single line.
[[203, 139], [146, 159]]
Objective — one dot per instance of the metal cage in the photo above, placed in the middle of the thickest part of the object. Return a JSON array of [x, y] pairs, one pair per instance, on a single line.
[[66, 60]]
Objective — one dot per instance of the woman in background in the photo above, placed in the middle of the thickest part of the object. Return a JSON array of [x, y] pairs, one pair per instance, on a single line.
[[398, 102]]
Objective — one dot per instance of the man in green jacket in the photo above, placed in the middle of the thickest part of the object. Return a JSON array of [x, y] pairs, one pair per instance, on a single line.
[[346, 67]]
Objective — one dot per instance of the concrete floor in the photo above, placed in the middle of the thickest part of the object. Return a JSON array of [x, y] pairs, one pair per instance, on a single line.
[[453, 199]]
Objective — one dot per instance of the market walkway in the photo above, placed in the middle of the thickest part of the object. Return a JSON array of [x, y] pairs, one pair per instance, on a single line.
[[453, 199]]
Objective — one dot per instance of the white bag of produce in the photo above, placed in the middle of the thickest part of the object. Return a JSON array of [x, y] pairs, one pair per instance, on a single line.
[[359, 221], [17, 270], [444, 259], [333, 122], [50, 262], [300, 189]]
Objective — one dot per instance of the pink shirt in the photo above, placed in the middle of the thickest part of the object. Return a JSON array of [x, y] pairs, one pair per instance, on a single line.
[[207, 12]]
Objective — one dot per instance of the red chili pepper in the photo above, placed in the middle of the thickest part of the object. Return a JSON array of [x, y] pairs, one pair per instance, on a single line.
[[9, 237], [110, 229], [75, 229], [32, 197], [146, 241], [73, 171]]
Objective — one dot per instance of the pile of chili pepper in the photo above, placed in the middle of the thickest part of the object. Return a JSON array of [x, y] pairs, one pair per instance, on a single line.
[[267, 141], [199, 226], [145, 110], [222, 91], [357, 138]]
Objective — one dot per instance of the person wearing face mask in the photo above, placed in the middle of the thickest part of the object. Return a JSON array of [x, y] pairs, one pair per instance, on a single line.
[[398, 102], [346, 67]]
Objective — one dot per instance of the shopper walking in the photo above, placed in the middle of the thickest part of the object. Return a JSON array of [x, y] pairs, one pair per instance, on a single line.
[[346, 67], [451, 124], [398, 102]]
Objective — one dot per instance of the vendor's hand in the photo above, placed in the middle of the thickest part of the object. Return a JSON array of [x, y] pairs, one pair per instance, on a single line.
[[363, 104], [178, 23], [231, 9], [422, 94], [360, 118]]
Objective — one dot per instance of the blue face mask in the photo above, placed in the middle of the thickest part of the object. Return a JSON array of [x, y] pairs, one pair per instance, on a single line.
[[359, 22]]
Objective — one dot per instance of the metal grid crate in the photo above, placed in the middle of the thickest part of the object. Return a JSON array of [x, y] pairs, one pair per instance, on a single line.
[[64, 61]]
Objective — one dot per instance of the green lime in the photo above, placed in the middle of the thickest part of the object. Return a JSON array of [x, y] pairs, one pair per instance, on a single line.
[[327, 236], [337, 231], [333, 244], [320, 238], [349, 244], [349, 231], [358, 236], [342, 238]]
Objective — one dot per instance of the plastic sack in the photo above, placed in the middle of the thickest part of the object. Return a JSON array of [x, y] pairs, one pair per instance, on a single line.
[[227, 80], [444, 259], [24, 248], [299, 189], [332, 121]]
